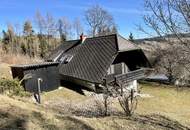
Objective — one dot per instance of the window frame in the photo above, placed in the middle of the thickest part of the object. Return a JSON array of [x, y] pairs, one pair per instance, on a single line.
[[66, 58]]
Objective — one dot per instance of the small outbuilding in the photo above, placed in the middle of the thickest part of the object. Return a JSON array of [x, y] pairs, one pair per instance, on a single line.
[[47, 72]]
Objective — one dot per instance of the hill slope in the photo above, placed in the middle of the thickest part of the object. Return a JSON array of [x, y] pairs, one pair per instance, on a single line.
[[19, 113]]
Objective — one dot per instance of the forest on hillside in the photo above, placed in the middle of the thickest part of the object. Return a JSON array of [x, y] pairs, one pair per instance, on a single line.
[[37, 37]]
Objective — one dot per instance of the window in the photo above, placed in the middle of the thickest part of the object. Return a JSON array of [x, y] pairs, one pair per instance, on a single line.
[[111, 70], [66, 58], [56, 58], [124, 68]]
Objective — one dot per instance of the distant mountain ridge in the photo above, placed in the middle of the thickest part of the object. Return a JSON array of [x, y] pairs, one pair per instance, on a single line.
[[161, 38]]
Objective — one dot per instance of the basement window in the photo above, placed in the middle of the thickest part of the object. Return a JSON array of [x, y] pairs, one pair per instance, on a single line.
[[66, 59]]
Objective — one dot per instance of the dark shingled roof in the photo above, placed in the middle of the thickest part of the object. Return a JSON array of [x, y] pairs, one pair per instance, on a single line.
[[61, 49], [92, 58], [33, 66]]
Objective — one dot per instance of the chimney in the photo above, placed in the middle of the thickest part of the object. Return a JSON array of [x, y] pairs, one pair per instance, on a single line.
[[82, 37]]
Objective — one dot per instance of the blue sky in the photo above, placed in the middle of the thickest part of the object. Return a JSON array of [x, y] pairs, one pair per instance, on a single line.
[[127, 13]]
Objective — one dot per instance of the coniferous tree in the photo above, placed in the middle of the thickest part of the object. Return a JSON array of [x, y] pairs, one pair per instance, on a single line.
[[43, 45], [131, 38], [5, 41], [9, 40], [114, 29], [29, 38]]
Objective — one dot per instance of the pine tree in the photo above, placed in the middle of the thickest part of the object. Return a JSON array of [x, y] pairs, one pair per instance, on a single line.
[[28, 31], [43, 46], [29, 38], [5, 41], [114, 29], [8, 40], [131, 38]]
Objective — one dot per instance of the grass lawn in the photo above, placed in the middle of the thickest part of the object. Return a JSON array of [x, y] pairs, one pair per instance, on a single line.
[[5, 71], [24, 114], [166, 101]]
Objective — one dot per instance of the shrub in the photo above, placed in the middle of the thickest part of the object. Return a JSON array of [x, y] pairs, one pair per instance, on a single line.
[[12, 87]]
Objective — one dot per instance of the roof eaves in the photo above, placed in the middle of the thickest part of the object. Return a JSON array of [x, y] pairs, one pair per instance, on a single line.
[[116, 39], [129, 50], [95, 82], [127, 40]]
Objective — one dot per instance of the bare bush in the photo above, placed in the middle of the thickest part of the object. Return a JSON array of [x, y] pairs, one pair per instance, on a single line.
[[125, 95], [18, 58], [128, 103]]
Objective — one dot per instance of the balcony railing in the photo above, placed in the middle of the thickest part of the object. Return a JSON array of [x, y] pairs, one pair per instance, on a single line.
[[126, 78]]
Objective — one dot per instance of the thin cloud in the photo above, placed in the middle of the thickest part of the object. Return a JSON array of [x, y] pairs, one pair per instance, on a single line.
[[127, 11], [76, 7], [111, 9]]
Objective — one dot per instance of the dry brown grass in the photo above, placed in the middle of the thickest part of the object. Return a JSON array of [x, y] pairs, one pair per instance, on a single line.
[[24, 114], [5, 71], [19, 114], [18, 59], [6, 60], [167, 101], [166, 108]]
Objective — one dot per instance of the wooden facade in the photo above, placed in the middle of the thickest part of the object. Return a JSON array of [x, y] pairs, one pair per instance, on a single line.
[[30, 74]]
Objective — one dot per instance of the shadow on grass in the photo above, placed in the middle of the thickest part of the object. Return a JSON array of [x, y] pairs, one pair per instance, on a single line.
[[10, 122], [72, 123], [158, 120], [74, 87], [44, 122]]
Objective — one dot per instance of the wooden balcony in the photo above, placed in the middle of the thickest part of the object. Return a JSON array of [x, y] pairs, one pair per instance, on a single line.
[[126, 78]]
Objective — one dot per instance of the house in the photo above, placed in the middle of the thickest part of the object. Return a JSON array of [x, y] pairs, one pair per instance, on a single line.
[[89, 61]]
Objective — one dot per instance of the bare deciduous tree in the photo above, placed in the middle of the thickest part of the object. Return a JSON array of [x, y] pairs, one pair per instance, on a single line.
[[99, 20], [64, 28], [77, 27], [40, 22], [47, 27], [170, 20], [50, 25]]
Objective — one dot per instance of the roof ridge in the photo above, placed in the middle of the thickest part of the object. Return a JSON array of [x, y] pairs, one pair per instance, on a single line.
[[71, 40], [118, 35], [114, 34]]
